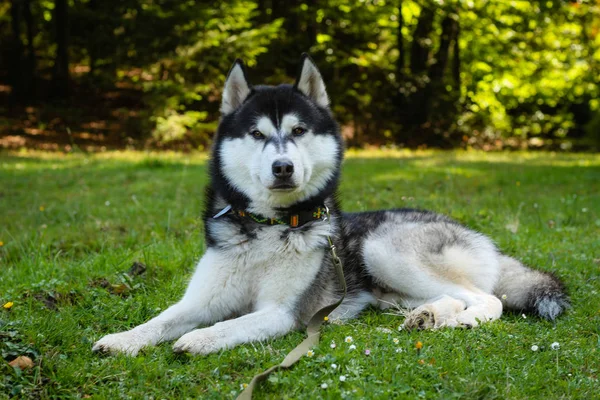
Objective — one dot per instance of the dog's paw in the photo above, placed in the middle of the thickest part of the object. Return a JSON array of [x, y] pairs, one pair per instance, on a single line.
[[470, 320], [199, 341], [127, 343], [420, 318]]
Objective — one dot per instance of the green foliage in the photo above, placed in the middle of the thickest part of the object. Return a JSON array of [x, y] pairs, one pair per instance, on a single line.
[[189, 76], [101, 212], [532, 60], [406, 72]]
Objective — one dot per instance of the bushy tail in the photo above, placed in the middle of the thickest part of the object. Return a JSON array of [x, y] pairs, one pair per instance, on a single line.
[[522, 288]]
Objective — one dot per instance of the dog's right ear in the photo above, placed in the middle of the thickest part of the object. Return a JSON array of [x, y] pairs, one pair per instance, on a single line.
[[236, 88]]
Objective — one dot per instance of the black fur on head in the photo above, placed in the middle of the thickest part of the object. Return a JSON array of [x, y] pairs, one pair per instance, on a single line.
[[306, 98]]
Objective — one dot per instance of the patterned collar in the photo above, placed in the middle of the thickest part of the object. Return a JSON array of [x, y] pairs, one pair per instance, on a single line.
[[293, 220]]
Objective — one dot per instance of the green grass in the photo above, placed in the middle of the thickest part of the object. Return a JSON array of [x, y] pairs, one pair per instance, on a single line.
[[72, 225]]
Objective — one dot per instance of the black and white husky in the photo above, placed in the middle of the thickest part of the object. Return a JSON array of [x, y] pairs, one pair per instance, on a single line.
[[267, 269]]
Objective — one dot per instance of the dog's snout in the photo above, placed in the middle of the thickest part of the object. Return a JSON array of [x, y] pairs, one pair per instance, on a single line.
[[283, 169]]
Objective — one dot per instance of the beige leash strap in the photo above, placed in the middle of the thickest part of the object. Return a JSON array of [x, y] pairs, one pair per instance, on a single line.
[[312, 330]]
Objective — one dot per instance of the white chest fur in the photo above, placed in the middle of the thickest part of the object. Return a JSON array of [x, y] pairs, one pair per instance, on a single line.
[[272, 266]]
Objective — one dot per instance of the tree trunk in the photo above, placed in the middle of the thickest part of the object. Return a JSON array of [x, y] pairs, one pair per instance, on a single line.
[[30, 70], [301, 31], [61, 63], [16, 76], [449, 29], [416, 106], [419, 52], [93, 39], [436, 99], [456, 58], [401, 62], [262, 6]]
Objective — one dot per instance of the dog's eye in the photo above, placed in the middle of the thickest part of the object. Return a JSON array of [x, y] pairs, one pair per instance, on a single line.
[[298, 131], [257, 134]]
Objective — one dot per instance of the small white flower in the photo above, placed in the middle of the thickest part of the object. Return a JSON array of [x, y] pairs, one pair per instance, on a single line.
[[323, 386], [342, 378], [334, 366], [535, 347], [399, 350], [400, 328], [310, 353], [396, 341], [352, 347], [348, 339], [504, 297], [332, 345], [524, 316], [555, 346]]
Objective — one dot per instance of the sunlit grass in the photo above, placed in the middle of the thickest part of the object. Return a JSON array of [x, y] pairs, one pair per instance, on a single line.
[[71, 225]]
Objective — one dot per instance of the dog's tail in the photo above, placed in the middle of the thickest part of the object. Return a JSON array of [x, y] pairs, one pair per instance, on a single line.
[[522, 288]]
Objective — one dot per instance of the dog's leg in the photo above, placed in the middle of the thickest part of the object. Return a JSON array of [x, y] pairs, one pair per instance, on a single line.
[[266, 323], [195, 308], [462, 309], [352, 306], [484, 308], [429, 261]]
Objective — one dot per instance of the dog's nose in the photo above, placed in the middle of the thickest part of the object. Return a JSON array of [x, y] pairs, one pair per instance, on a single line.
[[283, 169]]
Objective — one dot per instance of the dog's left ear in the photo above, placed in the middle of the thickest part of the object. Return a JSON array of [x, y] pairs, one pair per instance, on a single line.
[[310, 82]]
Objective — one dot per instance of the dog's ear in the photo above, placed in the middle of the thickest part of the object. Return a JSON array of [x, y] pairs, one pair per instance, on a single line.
[[236, 88], [310, 82]]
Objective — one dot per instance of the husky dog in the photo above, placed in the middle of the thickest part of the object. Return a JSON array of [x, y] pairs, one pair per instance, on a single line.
[[267, 269]]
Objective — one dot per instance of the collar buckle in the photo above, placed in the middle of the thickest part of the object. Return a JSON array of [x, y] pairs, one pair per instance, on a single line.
[[326, 215], [222, 212]]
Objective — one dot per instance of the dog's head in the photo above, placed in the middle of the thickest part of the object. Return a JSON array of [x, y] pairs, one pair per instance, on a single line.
[[276, 146]]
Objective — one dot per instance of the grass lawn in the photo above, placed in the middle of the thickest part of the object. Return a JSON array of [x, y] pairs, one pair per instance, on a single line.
[[71, 226]]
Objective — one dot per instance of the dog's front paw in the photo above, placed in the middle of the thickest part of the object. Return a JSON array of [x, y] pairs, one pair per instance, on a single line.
[[200, 341], [128, 343]]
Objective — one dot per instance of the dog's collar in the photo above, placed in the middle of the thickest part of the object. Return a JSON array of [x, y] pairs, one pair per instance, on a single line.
[[320, 213]]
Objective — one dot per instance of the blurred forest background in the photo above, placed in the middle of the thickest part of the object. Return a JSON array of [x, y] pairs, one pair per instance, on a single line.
[[490, 74]]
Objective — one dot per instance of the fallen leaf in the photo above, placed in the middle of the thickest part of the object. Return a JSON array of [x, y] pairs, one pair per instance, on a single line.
[[137, 268], [101, 282], [22, 362], [120, 289]]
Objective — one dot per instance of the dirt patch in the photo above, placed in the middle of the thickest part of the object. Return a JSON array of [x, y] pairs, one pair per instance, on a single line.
[[125, 283], [52, 300]]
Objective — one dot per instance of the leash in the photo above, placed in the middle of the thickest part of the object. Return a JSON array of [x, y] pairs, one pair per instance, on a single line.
[[312, 330]]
